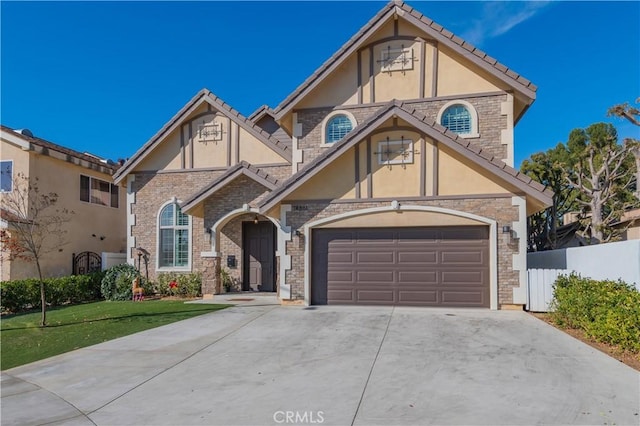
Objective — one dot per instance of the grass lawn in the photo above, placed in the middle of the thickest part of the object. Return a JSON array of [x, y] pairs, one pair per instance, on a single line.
[[73, 327]]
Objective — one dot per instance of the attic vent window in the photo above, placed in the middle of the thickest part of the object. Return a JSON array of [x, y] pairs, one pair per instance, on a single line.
[[395, 152], [396, 59], [211, 132]]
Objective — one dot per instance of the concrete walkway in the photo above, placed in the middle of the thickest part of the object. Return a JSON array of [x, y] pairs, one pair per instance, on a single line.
[[266, 364]]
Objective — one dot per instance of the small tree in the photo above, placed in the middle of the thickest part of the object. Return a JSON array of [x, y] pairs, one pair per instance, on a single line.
[[36, 226]]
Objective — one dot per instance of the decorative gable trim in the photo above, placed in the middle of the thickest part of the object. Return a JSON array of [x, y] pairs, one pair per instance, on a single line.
[[430, 128], [398, 8], [242, 168], [203, 96]]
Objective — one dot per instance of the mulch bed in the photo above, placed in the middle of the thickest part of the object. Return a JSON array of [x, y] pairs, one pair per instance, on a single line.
[[628, 358]]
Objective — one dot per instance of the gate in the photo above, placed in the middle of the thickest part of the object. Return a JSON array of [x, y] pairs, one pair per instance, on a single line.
[[86, 263]]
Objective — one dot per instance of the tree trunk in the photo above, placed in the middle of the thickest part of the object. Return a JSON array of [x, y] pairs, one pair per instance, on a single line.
[[596, 219], [43, 301]]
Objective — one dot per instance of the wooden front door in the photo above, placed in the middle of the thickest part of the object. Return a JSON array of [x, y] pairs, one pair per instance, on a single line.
[[258, 256]]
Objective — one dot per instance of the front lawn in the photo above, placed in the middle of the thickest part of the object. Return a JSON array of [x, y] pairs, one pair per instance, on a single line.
[[74, 327]]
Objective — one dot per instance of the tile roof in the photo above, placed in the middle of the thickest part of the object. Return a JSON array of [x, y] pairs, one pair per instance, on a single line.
[[205, 95], [437, 131], [242, 168], [45, 145], [445, 36]]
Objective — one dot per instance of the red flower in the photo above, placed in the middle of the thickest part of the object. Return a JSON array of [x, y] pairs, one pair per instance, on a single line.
[[173, 284]]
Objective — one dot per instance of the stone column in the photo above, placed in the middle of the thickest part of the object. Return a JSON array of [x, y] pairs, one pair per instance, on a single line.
[[211, 279]]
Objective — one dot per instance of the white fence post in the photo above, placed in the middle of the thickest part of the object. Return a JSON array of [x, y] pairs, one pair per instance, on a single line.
[[540, 283]]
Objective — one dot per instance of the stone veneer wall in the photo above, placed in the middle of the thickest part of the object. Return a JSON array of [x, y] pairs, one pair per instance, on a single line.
[[499, 209], [154, 189], [490, 123]]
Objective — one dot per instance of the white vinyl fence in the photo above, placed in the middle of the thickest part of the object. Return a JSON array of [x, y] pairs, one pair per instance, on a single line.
[[112, 259], [541, 288]]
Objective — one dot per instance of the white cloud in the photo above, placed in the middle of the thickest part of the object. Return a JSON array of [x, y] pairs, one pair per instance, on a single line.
[[498, 18]]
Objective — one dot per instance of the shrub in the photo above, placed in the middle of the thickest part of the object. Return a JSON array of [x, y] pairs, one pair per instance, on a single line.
[[117, 282], [607, 311], [21, 295], [185, 285]]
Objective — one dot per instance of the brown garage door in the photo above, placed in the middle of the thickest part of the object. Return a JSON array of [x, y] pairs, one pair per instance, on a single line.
[[444, 266]]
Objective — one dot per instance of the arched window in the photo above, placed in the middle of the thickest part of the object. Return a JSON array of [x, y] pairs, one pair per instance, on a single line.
[[460, 117], [173, 237], [336, 125], [457, 119]]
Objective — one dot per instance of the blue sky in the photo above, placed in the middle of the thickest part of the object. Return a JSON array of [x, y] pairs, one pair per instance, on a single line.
[[103, 77]]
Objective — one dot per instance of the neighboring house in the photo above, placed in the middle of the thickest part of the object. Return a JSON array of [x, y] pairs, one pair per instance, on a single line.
[[84, 185], [385, 178]]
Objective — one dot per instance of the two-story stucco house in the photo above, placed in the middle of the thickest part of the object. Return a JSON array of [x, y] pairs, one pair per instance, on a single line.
[[385, 178], [84, 185]]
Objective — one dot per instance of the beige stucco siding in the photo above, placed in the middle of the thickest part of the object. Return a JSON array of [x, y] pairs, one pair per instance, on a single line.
[[335, 181], [458, 176], [340, 88], [209, 153], [456, 78], [255, 152], [397, 84], [16, 154], [396, 180], [166, 156]]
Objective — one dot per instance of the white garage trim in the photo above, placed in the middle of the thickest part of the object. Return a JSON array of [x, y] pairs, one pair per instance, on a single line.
[[493, 241]]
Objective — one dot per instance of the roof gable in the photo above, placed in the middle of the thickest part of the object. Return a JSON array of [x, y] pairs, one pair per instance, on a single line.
[[203, 96], [241, 169], [59, 152], [399, 9], [431, 129]]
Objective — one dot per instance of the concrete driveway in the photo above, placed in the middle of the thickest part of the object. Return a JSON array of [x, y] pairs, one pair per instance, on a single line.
[[330, 365]]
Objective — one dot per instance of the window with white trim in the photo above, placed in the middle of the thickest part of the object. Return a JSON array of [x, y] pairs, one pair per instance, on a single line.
[[98, 191], [6, 175], [173, 237], [460, 117], [337, 128]]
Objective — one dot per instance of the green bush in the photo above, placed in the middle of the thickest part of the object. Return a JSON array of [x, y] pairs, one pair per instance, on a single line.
[[21, 295], [185, 285], [118, 281], [607, 311]]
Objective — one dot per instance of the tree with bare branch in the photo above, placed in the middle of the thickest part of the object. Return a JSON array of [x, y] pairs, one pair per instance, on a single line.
[[36, 226], [603, 173], [632, 114]]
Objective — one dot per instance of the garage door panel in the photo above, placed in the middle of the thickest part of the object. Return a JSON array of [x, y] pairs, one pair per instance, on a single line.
[[462, 257], [340, 257], [468, 297], [430, 297], [374, 276], [365, 296], [375, 257], [443, 266], [420, 277], [462, 277], [420, 258]]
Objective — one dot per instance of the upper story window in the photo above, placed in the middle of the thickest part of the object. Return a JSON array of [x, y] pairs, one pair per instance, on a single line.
[[173, 237], [97, 191], [6, 175], [336, 126], [457, 119], [460, 117]]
